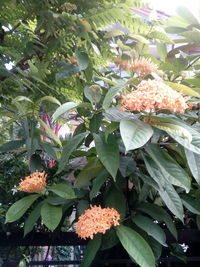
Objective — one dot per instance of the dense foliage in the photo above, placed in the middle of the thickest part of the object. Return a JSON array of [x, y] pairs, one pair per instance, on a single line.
[[137, 146]]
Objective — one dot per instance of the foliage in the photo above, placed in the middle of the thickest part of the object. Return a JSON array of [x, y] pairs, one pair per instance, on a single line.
[[145, 165]]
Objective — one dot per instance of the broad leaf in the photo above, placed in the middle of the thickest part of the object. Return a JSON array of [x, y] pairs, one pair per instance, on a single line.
[[18, 209], [62, 190], [136, 246], [63, 108], [12, 145], [170, 169], [151, 228], [35, 163], [32, 219], [135, 133], [68, 149], [51, 215], [191, 204], [127, 166], [91, 170], [49, 99], [159, 214], [49, 150], [98, 182], [111, 93], [193, 161], [82, 59], [183, 89], [108, 153], [91, 250]]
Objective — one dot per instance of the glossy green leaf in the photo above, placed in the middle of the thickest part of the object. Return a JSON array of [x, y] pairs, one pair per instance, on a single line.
[[68, 149], [183, 89], [111, 93], [18, 209], [108, 153], [95, 123], [64, 108], [91, 250], [49, 99], [127, 166], [193, 161], [151, 228], [170, 169], [91, 170], [49, 149], [191, 204], [111, 128], [135, 133], [62, 190], [159, 214], [93, 93], [98, 182], [32, 219], [136, 246], [51, 215], [82, 59]]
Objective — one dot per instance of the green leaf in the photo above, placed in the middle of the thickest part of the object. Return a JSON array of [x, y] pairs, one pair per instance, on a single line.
[[22, 98], [111, 93], [193, 161], [63, 108], [95, 123], [127, 166], [174, 129], [135, 133], [191, 204], [93, 93], [109, 239], [116, 199], [172, 200], [151, 228], [12, 145], [183, 89], [91, 250], [18, 209], [68, 149], [67, 71], [91, 170], [166, 190], [170, 169], [50, 132], [136, 246], [162, 50], [51, 215], [32, 219], [111, 128], [35, 163], [159, 214], [113, 33], [187, 15], [49, 150], [108, 153], [98, 182], [62, 190], [160, 35], [49, 99], [82, 59]]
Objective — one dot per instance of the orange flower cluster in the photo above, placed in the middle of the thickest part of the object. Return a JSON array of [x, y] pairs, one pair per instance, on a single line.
[[152, 95], [33, 183], [143, 67], [96, 220]]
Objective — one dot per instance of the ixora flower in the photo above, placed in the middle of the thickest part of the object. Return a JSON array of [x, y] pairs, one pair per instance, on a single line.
[[35, 182], [143, 67], [154, 95], [96, 220]]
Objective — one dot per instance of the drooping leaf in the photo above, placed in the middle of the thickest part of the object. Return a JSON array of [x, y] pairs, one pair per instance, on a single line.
[[191, 204], [116, 199], [91, 170], [51, 215], [62, 190], [111, 93], [135, 245], [108, 153], [68, 149], [98, 182], [135, 133], [151, 228], [170, 169], [91, 250], [159, 214], [18, 209], [193, 161], [32, 219]]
